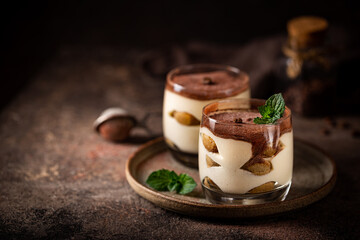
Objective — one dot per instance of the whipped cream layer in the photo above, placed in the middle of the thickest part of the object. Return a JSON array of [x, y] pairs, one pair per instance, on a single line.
[[233, 154], [186, 137]]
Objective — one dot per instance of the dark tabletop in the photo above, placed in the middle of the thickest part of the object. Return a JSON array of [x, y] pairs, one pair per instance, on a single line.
[[59, 179]]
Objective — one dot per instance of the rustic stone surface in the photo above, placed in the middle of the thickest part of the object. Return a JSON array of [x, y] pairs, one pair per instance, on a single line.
[[59, 179]]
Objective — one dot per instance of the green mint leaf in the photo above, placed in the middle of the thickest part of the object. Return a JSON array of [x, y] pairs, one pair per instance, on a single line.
[[165, 180], [174, 186], [265, 120], [188, 183], [265, 111], [277, 103], [272, 110], [159, 180]]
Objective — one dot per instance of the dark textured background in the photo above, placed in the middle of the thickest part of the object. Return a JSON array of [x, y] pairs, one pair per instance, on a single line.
[[32, 31], [65, 62]]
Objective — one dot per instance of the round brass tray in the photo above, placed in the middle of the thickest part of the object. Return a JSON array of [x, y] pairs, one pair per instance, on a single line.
[[314, 176]]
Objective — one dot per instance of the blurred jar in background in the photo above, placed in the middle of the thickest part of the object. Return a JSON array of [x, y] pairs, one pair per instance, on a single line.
[[307, 76]]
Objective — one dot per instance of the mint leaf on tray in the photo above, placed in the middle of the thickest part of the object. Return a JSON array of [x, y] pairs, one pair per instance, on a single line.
[[188, 183], [165, 180], [272, 110]]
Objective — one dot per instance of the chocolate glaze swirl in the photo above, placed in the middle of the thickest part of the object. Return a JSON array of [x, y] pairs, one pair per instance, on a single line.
[[209, 82], [238, 125]]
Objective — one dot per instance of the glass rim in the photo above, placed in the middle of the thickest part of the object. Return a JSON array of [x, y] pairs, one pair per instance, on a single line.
[[278, 122], [189, 67]]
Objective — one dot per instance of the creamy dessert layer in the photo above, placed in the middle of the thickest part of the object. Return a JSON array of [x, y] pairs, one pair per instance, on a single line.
[[225, 166], [180, 115]]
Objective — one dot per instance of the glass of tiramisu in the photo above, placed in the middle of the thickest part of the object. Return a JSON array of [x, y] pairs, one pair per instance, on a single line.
[[188, 89], [245, 158]]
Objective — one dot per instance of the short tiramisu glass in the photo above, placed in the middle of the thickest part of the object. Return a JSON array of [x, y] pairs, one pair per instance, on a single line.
[[188, 89], [241, 162]]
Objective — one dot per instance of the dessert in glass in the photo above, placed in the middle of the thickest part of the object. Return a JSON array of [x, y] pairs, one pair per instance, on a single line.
[[241, 162], [188, 89]]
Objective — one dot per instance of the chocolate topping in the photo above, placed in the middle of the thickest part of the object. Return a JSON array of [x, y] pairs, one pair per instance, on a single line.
[[261, 136], [208, 85], [234, 119], [233, 116], [208, 81]]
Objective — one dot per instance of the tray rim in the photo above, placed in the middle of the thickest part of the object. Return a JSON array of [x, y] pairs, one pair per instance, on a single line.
[[192, 208]]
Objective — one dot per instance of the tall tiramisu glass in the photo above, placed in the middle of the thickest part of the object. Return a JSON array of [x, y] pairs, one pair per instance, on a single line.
[[242, 162], [188, 89]]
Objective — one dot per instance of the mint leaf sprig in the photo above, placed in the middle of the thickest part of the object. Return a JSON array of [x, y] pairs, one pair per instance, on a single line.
[[272, 110], [165, 180]]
